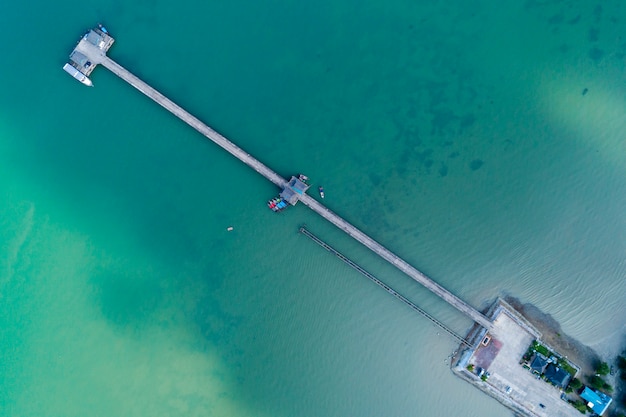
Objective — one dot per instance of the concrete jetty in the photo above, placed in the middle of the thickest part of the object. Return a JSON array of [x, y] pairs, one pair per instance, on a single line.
[[91, 47]]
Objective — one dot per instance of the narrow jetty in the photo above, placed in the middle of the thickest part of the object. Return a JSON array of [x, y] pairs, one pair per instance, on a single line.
[[93, 47]]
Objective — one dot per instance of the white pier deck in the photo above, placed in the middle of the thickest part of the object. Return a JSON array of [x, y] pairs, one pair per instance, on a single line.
[[98, 56]]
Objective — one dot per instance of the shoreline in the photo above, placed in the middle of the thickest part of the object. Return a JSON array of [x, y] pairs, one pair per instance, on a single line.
[[552, 334], [499, 351]]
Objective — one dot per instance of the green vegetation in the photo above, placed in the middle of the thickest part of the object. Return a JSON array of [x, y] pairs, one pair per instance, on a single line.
[[579, 405], [576, 384], [621, 364], [602, 368], [538, 347], [470, 367], [600, 384], [563, 363]]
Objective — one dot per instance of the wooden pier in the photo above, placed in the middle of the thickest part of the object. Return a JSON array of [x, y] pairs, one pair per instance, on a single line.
[[97, 55]]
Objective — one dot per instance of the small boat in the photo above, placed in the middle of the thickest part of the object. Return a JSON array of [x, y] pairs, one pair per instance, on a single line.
[[77, 74], [277, 204], [321, 189]]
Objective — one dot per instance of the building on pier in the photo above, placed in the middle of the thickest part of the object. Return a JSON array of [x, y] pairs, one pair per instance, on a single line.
[[80, 65], [291, 193], [294, 189]]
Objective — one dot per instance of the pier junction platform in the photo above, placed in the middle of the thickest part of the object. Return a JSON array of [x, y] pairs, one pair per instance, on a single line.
[[92, 50]]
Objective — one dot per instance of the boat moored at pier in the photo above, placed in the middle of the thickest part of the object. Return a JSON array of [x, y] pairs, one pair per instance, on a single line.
[[70, 69], [277, 204]]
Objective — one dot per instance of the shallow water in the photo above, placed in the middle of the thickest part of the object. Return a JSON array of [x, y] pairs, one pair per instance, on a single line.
[[458, 136]]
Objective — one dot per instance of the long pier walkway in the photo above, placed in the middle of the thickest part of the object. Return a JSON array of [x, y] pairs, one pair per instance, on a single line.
[[396, 261], [194, 122], [384, 286], [97, 55]]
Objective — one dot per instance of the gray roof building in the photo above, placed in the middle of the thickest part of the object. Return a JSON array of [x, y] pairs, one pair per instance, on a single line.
[[94, 38], [558, 376], [294, 188], [539, 363]]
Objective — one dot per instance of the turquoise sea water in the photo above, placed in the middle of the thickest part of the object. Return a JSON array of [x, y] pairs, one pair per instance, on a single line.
[[459, 136]]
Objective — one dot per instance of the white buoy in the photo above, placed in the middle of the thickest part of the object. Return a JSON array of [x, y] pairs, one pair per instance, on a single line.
[[229, 228]]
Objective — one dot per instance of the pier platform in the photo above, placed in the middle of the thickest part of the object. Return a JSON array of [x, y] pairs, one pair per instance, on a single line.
[[89, 52]]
